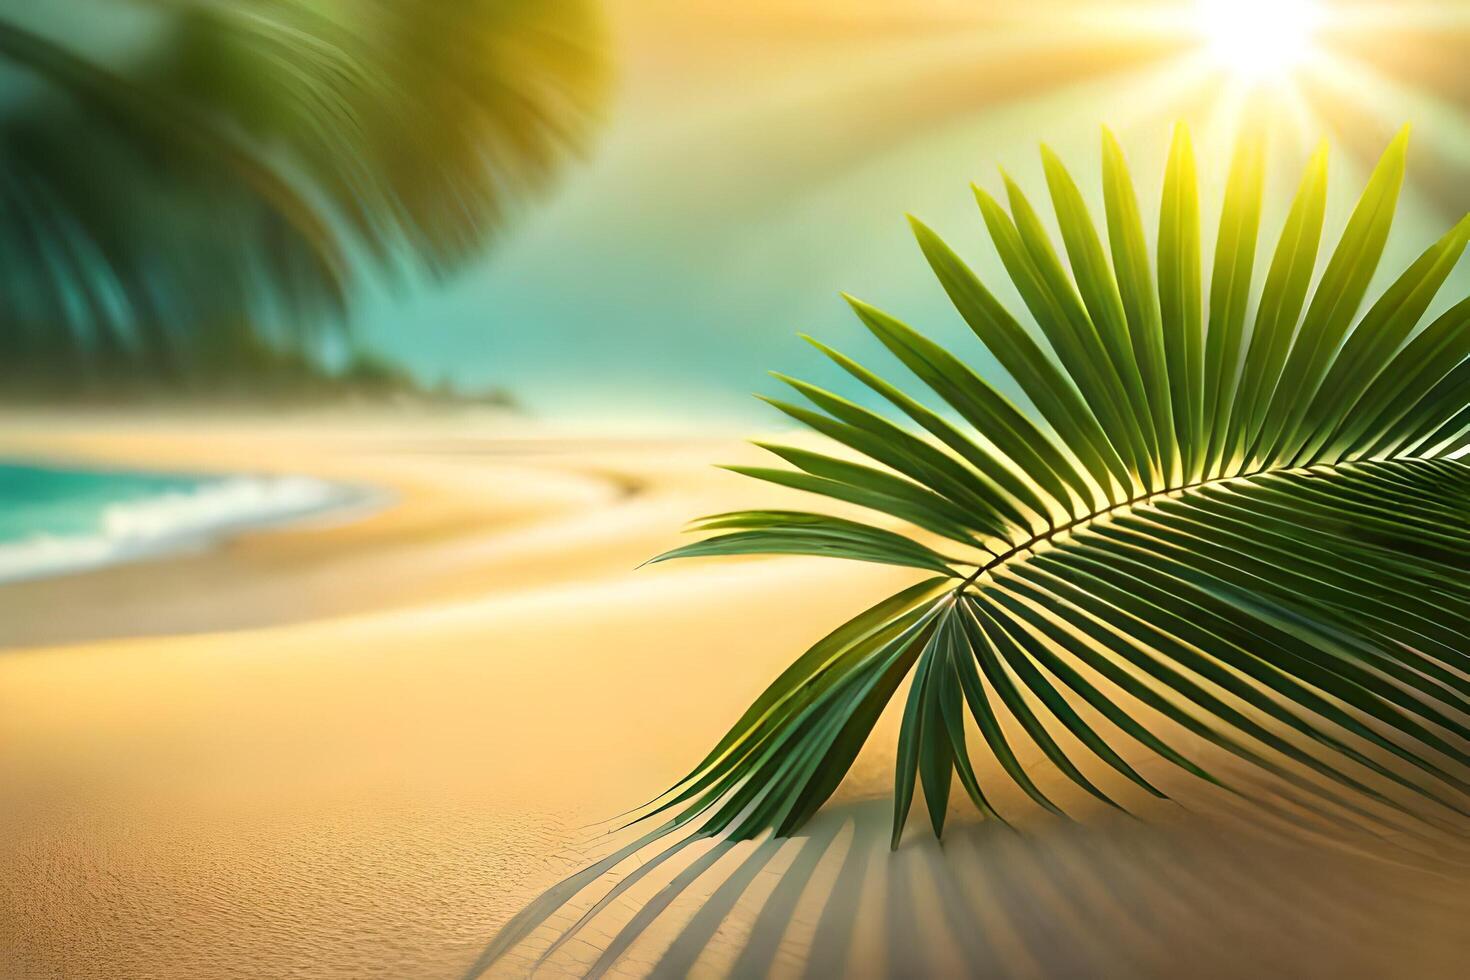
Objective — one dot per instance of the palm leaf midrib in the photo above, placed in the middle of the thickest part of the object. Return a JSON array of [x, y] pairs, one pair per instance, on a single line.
[[1284, 576], [1291, 591], [1145, 499]]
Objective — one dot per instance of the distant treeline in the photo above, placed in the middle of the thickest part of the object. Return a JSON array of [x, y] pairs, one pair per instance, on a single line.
[[238, 366]]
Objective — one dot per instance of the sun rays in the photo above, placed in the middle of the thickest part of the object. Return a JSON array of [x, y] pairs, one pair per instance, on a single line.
[[1259, 39], [1302, 70], [1339, 69], [1349, 71]]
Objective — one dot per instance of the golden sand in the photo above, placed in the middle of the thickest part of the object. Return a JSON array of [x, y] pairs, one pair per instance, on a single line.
[[357, 747]]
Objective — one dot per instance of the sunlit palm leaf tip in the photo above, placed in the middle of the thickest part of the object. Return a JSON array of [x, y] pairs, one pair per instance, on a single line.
[[1251, 529]]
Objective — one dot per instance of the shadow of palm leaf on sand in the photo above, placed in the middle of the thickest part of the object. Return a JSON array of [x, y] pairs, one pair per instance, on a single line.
[[1111, 897]]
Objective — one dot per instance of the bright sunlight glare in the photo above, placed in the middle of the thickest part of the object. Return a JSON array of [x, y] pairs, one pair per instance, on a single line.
[[1258, 39]]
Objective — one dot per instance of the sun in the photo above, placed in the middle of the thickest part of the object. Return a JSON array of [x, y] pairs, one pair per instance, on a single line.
[[1258, 39]]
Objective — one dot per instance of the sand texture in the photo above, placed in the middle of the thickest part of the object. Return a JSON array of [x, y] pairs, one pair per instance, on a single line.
[[357, 746]]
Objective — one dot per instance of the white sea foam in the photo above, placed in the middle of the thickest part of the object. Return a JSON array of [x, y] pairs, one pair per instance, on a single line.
[[171, 521]]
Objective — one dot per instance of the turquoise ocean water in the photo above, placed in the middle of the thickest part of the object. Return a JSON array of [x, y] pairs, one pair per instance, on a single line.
[[55, 519]]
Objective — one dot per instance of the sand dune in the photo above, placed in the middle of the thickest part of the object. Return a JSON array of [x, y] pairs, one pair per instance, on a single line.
[[357, 748]]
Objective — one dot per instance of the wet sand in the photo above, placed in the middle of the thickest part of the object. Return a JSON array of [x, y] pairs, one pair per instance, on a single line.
[[358, 747]]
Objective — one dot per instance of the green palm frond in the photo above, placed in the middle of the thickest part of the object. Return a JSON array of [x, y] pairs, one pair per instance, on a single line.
[[1239, 509], [253, 158]]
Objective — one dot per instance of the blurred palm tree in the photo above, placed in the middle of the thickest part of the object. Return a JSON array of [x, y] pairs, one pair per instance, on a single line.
[[247, 160]]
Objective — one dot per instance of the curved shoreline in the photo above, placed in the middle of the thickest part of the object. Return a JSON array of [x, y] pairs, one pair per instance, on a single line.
[[425, 509], [205, 515], [358, 749]]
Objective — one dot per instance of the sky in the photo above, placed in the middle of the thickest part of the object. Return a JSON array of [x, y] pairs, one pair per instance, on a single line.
[[758, 159]]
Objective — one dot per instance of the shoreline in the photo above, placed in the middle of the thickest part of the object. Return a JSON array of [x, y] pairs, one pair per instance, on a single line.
[[414, 503], [397, 727], [216, 508], [358, 750]]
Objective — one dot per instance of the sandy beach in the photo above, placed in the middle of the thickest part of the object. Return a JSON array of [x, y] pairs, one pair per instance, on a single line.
[[357, 745]]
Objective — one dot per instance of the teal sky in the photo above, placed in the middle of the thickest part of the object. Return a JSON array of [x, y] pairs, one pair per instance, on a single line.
[[754, 163]]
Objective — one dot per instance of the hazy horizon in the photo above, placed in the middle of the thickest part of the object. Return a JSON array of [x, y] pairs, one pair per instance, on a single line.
[[756, 163]]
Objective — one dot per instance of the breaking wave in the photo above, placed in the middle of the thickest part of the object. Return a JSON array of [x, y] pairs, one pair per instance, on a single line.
[[172, 520]]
